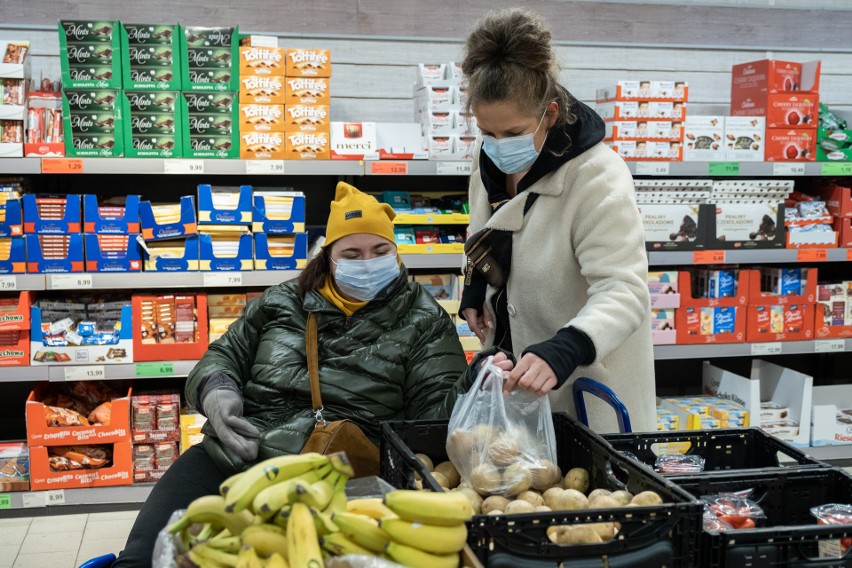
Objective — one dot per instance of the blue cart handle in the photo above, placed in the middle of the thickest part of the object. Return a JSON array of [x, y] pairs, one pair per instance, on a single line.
[[585, 384], [104, 561]]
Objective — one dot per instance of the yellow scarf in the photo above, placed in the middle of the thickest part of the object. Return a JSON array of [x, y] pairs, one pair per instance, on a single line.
[[330, 293]]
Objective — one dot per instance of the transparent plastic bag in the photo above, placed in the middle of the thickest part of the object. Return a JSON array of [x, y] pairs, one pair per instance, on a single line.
[[168, 546], [502, 444], [833, 514], [679, 463], [734, 509], [356, 561]]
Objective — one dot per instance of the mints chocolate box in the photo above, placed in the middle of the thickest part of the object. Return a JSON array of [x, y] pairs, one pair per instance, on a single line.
[[152, 124], [209, 59], [150, 59], [93, 123], [89, 54]]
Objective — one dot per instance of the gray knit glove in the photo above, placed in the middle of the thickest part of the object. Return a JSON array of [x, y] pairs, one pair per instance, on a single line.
[[224, 409]]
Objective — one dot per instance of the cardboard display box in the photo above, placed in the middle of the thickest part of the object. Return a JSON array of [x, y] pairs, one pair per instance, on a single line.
[[152, 124], [14, 333], [150, 58], [833, 317], [109, 220], [209, 59], [210, 125], [753, 83], [243, 259], [675, 226], [263, 146], [12, 224], [145, 350], [278, 213], [209, 213], [13, 255], [704, 138], [90, 54], [257, 60], [261, 118], [302, 62], [262, 89], [790, 145], [161, 224], [292, 256], [307, 91], [92, 121], [308, 146], [186, 260], [42, 478], [112, 253], [831, 415], [14, 466], [644, 90], [747, 226], [745, 138], [51, 214], [119, 351], [635, 110], [40, 434], [788, 322], [55, 253]]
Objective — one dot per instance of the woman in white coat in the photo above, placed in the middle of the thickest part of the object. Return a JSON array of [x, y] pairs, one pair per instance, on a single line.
[[573, 299]]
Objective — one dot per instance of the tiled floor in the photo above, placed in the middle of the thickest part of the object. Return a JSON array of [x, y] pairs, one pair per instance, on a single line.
[[62, 541]]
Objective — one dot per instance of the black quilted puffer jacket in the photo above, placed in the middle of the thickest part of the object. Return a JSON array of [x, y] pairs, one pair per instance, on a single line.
[[399, 357]]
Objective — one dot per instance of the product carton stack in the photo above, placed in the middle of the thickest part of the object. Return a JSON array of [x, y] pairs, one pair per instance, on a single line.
[[14, 76], [439, 108], [644, 119], [261, 109], [785, 96], [44, 132], [156, 434]]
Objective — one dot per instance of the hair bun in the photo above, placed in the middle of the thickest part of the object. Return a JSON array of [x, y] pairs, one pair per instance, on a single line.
[[510, 37]]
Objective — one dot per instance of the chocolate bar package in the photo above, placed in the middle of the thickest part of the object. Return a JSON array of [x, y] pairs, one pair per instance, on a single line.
[[89, 54]]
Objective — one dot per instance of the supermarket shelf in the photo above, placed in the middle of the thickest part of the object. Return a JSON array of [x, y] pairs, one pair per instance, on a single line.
[[831, 454], [177, 166], [20, 165], [146, 280], [762, 256], [9, 282], [119, 372], [663, 352], [431, 219], [433, 261], [24, 374], [418, 167], [124, 495], [741, 169]]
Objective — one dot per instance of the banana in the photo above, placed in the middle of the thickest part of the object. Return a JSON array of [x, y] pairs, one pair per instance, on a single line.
[[216, 556], [323, 523], [341, 464], [363, 531], [429, 538], [414, 558], [442, 509], [269, 501], [277, 561], [200, 561], [302, 542], [281, 518], [226, 485], [266, 539], [316, 495], [269, 472], [248, 558], [212, 509], [337, 503], [230, 544], [369, 507], [339, 545]]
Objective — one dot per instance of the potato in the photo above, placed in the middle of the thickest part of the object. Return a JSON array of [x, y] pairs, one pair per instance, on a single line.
[[460, 446], [604, 502], [568, 500], [516, 479], [545, 474], [504, 450], [425, 460], [495, 513], [577, 535], [542, 509], [647, 499], [418, 484], [577, 478], [531, 497], [552, 533], [605, 530], [441, 479], [517, 506], [483, 435], [550, 494], [474, 498], [597, 492], [464, 485], [486, 479], [623, 497], [495, 502], [448, 470]]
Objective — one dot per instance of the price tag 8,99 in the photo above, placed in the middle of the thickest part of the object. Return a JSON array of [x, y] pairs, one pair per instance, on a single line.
[[55, 497], [830, 346], [70, 281], [183, 166], [652, 168], [85, 373], [8, 283], [212, 279], [264, 167], [765, 348]]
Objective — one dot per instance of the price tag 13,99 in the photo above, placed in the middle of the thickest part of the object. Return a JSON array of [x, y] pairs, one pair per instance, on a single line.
[[85, 373], [183, 166], [765, 348]]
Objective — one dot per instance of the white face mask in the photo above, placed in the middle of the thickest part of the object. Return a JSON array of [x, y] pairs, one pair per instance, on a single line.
[[364, 279], [515, 154]]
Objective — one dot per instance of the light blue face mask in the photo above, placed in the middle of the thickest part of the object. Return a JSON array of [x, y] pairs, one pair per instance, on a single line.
[[515, 154], [364, 279]]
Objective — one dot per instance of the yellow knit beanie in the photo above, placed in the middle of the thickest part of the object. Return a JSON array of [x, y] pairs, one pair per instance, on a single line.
[[353, 212]]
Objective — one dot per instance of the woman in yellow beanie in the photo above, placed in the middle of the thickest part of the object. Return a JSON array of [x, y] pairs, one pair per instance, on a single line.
[[387, 351]]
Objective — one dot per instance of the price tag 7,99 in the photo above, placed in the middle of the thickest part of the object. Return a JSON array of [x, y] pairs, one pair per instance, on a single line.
[[85, 373], [8, 283], [183, 166], [212, 279], [765, 348], [262, 167], [70, 281]]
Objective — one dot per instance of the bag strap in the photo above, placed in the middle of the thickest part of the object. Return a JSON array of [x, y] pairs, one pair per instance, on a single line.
[[312, 349]]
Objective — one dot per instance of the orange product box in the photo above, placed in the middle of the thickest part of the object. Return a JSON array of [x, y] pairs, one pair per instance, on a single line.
[[701, 325], [261, 118], [307, 91], [262, 145], [40, 434], [644, 130], [789, 322], [15, 348], [262, 61], [261, 89], [307, 118], [793, 145], [119, 473], [773, 76], [146, 350], [303, 62], [838, 199], [684, 284], [843, 227], [15, 312], [757, 295], [792, 110], [307, 146]]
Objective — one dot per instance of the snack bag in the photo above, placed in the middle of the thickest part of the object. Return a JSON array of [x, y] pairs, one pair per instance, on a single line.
[[733, 509], [502, 444], [679, 464], [833, 514]]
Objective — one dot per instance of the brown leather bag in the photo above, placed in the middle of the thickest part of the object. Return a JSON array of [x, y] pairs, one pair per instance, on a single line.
[[340, 435]]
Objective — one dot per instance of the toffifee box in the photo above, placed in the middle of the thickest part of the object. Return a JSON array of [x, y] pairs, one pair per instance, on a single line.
[[307, 91], [303, 62], [307, 118], [263, 146], [262, 118], [308, 146], [261, 60]]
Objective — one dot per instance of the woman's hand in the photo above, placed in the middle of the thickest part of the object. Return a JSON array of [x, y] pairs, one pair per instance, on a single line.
[[502, 362], [478, 322], [531, 373]]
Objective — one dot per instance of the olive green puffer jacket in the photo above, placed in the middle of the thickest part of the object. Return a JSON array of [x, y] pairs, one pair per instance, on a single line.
[[399, 357]]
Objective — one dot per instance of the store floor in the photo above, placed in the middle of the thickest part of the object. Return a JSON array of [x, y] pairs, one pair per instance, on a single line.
[[62, 541]]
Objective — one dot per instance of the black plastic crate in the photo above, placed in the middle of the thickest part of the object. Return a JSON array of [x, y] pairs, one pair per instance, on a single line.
[[665, 535], [790, 535], [722, 450]]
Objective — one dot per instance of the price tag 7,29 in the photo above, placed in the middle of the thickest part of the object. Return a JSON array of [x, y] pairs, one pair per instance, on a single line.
[[85, 373], [70, 281], [33, 499], [765, 348]]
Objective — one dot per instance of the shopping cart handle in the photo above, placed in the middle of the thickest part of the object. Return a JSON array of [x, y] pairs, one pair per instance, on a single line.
[[104, 561], [585, 384]]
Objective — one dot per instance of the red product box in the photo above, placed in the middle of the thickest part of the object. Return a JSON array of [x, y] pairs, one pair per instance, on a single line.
[[794, 145], [843, 227], [838, 199], [694, 325], [119, 473], [687, 300], [144, 351], [791, 110], [15, 312], [148, 476], [758, 297], [772, 76], [40, 434], [788, 322], [15, 349]]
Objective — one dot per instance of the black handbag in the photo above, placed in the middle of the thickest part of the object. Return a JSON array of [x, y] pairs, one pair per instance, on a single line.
[[489, 251]]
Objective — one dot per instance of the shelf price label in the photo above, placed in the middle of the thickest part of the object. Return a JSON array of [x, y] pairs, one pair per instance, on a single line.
[[723, 169], [766, 349], [61, 166], [708, 257], [155, 369], [830, 346], [5, 501], [33, 499], [8, 283], [212, 279], [812, 255], [652, 168], [849, 254], [788, 169], [389, 168], [837, 169], [453, 168], [264, 167], [85, 373], [71, 281], [183, 166], [55, 497]]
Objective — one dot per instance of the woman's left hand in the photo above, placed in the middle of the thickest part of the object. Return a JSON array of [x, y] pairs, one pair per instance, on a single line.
[[531, 373]]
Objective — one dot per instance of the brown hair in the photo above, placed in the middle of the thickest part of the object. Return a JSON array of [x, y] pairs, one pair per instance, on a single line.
[[508, 57], [315, 273]]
